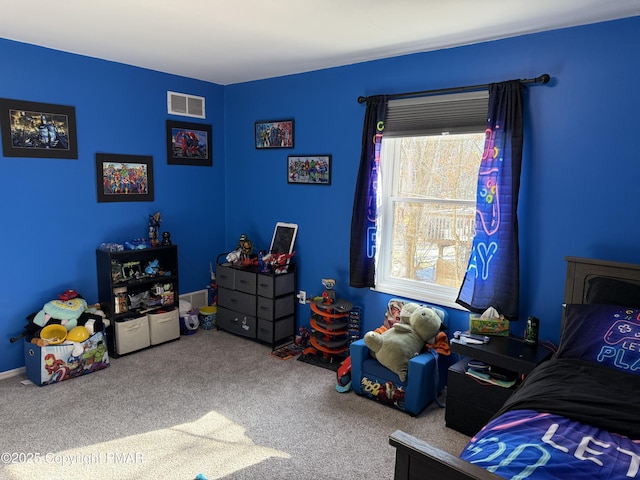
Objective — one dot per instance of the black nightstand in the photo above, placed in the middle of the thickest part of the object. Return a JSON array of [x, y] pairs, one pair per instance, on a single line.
[[471, 403]]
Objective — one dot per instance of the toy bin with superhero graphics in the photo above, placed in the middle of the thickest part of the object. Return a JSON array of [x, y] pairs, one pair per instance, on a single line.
[[55, 363]]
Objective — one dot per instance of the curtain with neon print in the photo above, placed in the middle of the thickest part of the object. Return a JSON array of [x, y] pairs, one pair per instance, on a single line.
[[492, 278], [365, 202]]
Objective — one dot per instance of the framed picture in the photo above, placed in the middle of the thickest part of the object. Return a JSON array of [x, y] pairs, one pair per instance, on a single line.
[[309, 169], [189, 144], [124, 178], [40, 130], [274, 134]]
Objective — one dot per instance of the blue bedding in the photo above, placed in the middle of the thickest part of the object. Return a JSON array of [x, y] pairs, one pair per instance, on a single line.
[[569, 420], [528, 444]]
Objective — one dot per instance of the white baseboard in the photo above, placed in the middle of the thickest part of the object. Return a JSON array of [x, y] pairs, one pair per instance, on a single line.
[[13, 373]]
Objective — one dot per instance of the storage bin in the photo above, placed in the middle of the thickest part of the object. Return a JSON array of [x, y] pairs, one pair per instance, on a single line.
[[238, 301], [131, 334], [245, 282], [207, 317], [56, 363], [225, 276], [271, 309], [271, 286], [236, 322], [274, 331], [164, 326]]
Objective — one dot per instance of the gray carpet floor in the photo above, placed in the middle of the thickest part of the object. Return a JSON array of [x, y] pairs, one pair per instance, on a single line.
[[212, 404]]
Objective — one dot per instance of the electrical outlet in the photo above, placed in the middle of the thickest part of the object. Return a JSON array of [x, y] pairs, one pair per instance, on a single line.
[[302, 297]]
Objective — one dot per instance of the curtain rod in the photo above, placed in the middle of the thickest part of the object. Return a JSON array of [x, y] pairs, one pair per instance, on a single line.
[[544, 78]]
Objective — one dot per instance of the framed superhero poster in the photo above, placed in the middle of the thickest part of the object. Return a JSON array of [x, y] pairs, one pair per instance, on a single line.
[[274, 134], [189, 144], [39, 130], [124, 178], [309, 169]]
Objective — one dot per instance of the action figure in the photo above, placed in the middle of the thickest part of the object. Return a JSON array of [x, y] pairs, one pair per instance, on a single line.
[[245, 245], [154, 224], [329, 295]]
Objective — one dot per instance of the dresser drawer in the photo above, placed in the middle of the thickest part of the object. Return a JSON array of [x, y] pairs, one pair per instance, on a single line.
[[224, 276], [245, 281], [273, 331], [271, 309], [237, 301], [237, 323], [271, 286]]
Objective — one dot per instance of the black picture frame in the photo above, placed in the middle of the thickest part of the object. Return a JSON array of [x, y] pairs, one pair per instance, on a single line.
[[274, 134], [309, 169], [114, 175], [189, 144], [38, 130]]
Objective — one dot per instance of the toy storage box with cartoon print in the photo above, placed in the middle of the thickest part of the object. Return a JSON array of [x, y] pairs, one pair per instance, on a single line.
[[55, 363]]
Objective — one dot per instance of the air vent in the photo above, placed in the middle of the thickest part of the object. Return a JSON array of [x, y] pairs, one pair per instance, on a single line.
[[185, 105], [197, 299]]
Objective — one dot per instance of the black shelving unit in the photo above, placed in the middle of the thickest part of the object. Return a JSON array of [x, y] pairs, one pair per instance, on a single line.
[[124, 273]]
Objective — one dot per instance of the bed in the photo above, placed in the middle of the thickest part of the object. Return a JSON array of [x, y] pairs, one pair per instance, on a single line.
[[576, 415]]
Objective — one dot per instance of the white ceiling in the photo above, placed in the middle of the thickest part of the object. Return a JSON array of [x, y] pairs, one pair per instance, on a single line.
[[236, 41]]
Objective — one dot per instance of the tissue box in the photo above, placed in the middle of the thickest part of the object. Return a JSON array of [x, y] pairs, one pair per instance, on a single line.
[[488, 326]]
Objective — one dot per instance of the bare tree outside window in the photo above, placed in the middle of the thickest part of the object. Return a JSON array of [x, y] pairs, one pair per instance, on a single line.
[[428, 196]]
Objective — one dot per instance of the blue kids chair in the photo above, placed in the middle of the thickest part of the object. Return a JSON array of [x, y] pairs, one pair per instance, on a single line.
[[426, 377]]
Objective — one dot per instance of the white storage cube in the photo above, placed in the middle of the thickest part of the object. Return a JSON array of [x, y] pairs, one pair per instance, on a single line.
[[132, 335], [164, 326]]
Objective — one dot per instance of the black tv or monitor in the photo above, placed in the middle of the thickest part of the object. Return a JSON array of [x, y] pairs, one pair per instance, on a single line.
[[284, 238]]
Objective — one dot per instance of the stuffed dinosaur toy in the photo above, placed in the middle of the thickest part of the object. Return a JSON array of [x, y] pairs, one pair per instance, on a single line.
[[396, 346]]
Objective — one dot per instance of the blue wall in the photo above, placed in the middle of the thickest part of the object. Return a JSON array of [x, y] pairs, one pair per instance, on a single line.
[[51, 221], [577, 198], [581, 165]]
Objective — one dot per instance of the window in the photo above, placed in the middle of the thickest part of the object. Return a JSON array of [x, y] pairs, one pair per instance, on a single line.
[[430, 157]]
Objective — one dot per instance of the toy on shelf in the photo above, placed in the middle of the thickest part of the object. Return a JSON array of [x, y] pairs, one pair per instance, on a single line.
[[329, 295], [245, 245], [152, 267], [277, 262], [166, 239], [135, 244], [353, 328], [243, 254], [154, 225], [234, 256]]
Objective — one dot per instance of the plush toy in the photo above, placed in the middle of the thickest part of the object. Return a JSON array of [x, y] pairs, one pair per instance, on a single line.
[[396, 346], [67, 312]]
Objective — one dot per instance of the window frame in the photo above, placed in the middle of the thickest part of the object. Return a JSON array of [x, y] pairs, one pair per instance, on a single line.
[[388, 182]]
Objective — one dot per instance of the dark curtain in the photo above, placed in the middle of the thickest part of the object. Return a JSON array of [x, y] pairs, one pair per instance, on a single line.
[[492, 278], [363, 217]]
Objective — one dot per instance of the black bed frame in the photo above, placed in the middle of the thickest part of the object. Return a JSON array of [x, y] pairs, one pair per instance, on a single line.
[[416, 459]]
